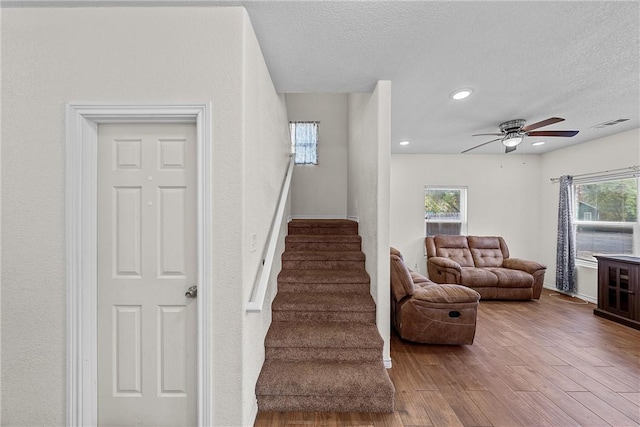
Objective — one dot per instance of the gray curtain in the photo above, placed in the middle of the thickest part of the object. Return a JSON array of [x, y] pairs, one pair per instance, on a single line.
[[566, 253]]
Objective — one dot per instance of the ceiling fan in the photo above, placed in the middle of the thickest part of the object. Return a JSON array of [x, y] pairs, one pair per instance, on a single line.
[[513, 132]]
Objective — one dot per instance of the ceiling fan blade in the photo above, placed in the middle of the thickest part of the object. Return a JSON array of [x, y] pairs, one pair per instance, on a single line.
[[483, 134], [547, 122], [566, 133], [478, 146], [510, 149]]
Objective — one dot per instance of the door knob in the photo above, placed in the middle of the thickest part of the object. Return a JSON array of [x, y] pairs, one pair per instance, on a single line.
[[192, 292]]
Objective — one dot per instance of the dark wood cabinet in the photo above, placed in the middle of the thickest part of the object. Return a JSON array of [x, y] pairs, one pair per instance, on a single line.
[[619, 289]]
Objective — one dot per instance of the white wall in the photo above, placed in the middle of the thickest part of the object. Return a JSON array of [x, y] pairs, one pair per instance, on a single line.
[[266, 153], [612, 152], [368, 191], [503, 199], [321, 189], [139, 56]]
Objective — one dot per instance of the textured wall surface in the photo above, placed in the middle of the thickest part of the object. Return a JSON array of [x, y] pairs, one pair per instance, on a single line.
[[137, 56], [612, 152], [508, 195], [265, 161], [321, 189], [502, 198], [368, 191]]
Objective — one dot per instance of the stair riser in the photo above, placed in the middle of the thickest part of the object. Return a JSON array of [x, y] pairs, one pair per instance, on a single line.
[[322, 246], [322, 265], [323, 231], [298, 354], [323, 316], [323, 287], [381, 404]]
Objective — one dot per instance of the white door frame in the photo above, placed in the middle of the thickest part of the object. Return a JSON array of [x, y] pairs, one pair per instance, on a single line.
[[82, 121]]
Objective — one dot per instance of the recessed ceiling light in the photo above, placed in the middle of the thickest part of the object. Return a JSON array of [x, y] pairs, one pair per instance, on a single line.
[[538, 143], [404, 142], [461, 93]]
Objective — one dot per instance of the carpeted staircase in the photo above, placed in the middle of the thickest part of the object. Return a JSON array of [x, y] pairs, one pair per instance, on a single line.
[[323, 349]]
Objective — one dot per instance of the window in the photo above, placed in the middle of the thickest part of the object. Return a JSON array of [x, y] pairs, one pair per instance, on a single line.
[[606, 217], [445, 210], [304, 142]]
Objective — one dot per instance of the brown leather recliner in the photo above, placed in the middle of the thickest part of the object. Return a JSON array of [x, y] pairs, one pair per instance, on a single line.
[[427, 312], [483, 264]]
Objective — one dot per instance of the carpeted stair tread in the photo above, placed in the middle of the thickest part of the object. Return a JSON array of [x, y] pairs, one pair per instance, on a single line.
[[324, 379], [323, 301], [323, 350], [323, 238], [297, 222], [277, 403], [326, 226], [323, 276], [323, 256], [329, 242], [324, 335], [323, 287], [338, 242]]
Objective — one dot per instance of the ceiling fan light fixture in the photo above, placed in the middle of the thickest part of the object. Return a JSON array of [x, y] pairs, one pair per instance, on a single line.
[[512, 139], [461, 94]]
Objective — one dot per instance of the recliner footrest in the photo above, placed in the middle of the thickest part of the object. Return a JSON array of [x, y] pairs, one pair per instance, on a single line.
[[446, 294]]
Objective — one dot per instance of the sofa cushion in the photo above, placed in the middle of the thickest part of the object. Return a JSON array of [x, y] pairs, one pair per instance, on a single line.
[[456, 248], [488, 251], [419, 279], [477, 277], [446, 294], [508, 278]]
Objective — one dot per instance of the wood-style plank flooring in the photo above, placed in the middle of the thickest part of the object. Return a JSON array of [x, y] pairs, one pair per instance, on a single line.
[[540, 363]]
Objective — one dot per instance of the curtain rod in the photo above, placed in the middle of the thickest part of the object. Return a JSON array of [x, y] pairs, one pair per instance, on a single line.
[[612, 171]]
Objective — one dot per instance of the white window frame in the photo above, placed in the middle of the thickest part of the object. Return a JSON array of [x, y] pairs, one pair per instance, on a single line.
[[635, 226], [463, 207]]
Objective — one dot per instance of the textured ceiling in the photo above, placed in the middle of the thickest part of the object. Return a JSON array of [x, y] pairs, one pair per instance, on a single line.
[[529, 60], [579, 60]]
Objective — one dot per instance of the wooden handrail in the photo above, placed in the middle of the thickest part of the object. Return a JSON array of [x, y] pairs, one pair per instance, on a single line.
[[260, 287]]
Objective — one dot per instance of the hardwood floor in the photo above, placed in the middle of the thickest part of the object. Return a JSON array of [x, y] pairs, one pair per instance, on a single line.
[[540, 363]]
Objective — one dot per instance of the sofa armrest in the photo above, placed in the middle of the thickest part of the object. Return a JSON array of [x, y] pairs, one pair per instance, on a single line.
[[443, 262], [523, 265]]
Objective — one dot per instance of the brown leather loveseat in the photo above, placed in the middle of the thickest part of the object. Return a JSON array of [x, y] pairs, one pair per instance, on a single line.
[[483, 264]]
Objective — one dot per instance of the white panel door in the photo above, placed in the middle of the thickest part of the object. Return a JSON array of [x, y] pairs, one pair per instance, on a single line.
[[146, 262]]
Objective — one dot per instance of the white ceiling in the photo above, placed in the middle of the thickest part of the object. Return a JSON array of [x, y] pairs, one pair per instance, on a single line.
[[532, 60], [579, 60]]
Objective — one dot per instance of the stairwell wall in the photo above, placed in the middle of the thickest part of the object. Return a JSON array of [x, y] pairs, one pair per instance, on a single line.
[[266, 153], [368, 191], [321, 190]]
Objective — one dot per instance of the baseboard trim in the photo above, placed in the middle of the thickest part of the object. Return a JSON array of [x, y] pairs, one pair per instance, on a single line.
[[387, 363], [254, 414], [571, 294]]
